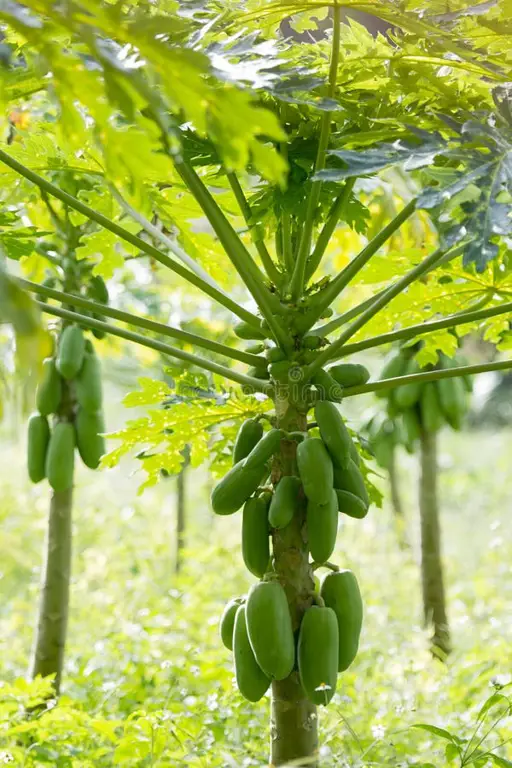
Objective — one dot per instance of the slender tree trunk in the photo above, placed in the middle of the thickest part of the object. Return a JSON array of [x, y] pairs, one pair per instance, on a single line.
[[293, 727], [431, 563], [49, 645], [396, 503]]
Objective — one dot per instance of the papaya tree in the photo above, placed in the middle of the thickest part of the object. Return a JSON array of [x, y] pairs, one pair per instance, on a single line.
[[260, 153], [413, 417], [68, 414]]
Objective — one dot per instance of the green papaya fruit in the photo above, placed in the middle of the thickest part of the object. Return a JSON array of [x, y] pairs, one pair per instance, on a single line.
[[255, 536], [452, 396], [395, 366], [270, 629], [311, 341], [280, 369], [235, 488], [97, 289], [275, 355], [383, 447], [315, 470], [317, 654], [88, 387], [70, 354], [412, 428], [351, 505], [227, 621], [248, 332], [49, 390], [285, 501], [432, 417], [60, 456], [37, 446], [264, 449], [340, 591], [258, 372], [252, 682], [334, 433], [249, 435], [327, 387], [408, 394], [350, 479], [256, 349], [322, 522], [89, 439], [349, 374], [98, 333]]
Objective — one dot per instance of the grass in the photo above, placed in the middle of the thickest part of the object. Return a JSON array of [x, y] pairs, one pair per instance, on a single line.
[[147, 680]]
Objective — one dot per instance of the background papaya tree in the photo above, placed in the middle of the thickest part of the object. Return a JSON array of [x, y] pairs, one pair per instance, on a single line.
[[171, 110], [68, 413], [412, 417]]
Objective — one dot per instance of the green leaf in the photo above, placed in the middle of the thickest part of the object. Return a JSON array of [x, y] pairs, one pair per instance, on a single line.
[[434, 729]]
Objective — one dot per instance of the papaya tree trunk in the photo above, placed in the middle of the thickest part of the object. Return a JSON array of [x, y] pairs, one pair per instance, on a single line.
[[396, 502], [293, 727], [434, 604], [49, 645], [181, 510]]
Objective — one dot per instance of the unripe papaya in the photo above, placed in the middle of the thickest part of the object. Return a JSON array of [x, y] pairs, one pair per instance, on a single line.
[[97, 289], [285, 501], [251, 680], [249, 332], [412, 428], [258, 372], [383, 448], [88, 386], [256, 349], [350, 479], [60, 456], [349, 374], [452, 396], [315, 469], [275, 355], [327, 387], [37, 446], [395, 366], [49, 390], [340, 591], [270, 629], [317, 654], [280, 369], [311, 341], [235, 488], [334, 432], [408, 394], [70, 354], [255, 536], [249, 435], [89, 439], [432, 417], [351, 505], [227, 621], [322, 522], [264, 449]]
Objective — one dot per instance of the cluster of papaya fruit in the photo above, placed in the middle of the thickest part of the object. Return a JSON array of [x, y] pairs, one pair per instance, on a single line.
[[259, 631], [417, 406], [70, 392], [276, 365], [323, 476]]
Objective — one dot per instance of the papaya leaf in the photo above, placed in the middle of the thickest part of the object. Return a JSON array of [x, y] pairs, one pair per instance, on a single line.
[[159, 437]]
